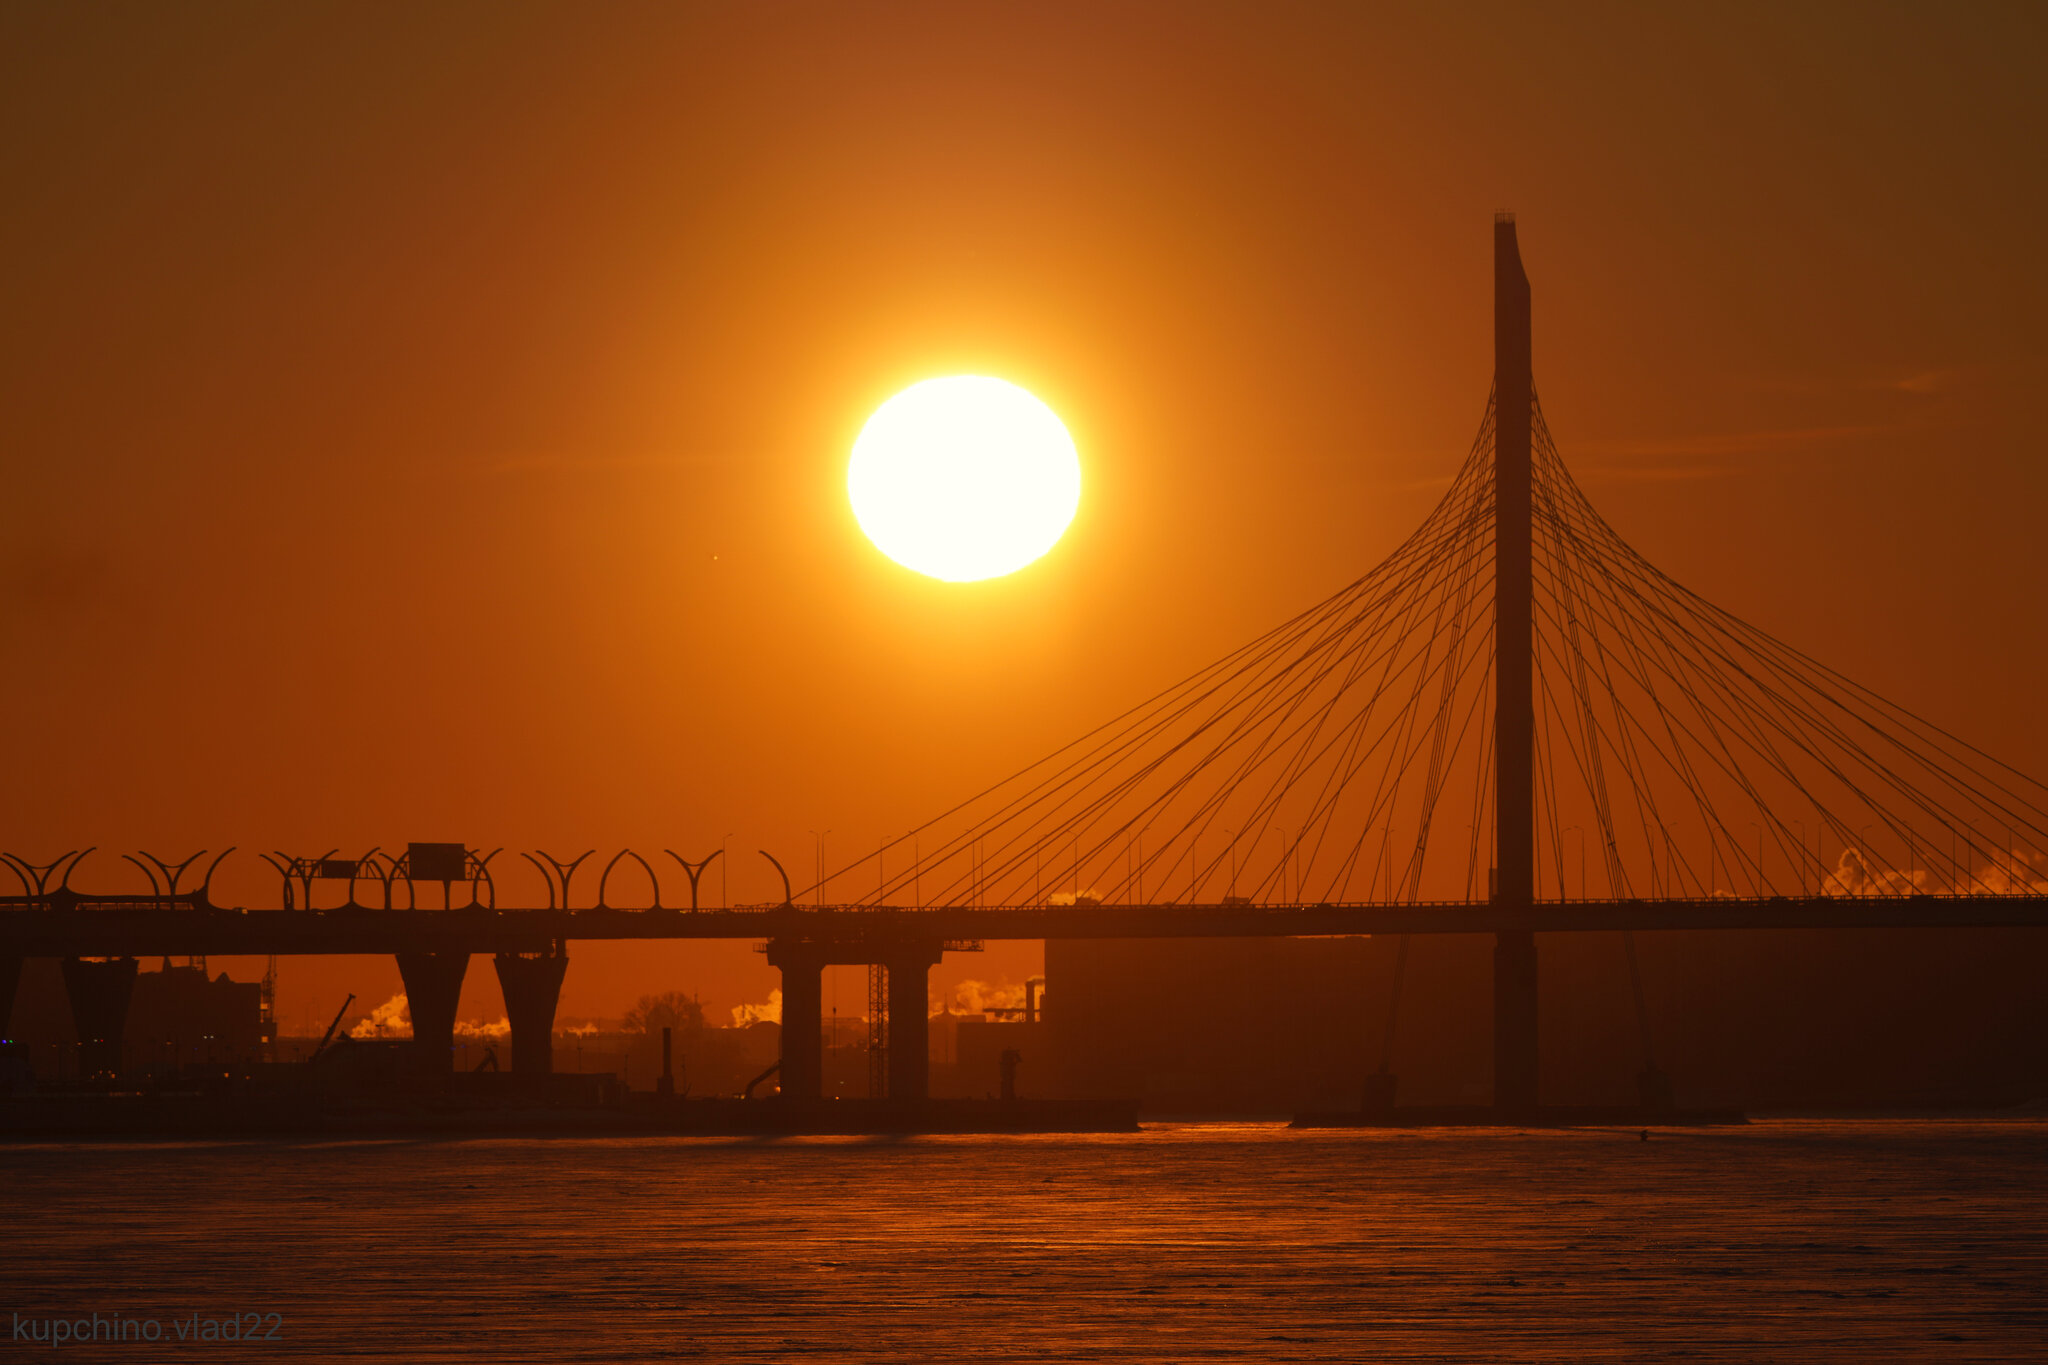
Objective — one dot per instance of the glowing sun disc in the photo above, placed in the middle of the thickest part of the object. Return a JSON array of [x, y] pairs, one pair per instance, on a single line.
[[964, 478]]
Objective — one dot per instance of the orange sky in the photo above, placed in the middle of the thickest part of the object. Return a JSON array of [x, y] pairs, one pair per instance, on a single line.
[[432, 425]]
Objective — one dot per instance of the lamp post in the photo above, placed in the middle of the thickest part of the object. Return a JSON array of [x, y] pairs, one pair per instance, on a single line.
[[724, 862], [1387, 856], [1582, 856], [1283, 856], [1759, 857], [1801, 825], [818, 849]]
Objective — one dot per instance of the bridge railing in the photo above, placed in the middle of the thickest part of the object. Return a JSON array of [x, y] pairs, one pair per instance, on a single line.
[[67, 899]]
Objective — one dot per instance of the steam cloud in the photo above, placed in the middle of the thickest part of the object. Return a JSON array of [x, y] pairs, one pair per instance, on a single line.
[[1853, 876], [394, 1018], [2019, 872], [972, 997]]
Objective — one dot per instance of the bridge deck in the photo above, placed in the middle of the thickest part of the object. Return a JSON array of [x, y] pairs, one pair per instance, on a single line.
[[88, 927]]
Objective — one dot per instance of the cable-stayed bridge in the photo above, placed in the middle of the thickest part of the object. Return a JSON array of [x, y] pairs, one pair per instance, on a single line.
[[1514, 724]]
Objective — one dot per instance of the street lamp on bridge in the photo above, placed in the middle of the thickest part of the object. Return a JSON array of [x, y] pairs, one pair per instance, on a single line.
[[818, 850]]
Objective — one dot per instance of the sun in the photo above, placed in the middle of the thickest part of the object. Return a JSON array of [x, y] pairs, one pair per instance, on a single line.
[[964, 478]]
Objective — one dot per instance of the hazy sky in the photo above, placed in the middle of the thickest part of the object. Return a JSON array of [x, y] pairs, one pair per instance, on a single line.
[[431, 422]]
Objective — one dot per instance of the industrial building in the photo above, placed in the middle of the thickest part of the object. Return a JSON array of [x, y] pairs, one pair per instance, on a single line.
[[177, 1017], [1779, 1019]]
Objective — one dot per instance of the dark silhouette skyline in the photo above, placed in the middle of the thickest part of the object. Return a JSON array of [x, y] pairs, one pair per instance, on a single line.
[[393, 409], [1514, 543]]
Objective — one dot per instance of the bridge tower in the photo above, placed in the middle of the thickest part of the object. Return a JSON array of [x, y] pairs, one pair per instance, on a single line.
[[1514, 717]]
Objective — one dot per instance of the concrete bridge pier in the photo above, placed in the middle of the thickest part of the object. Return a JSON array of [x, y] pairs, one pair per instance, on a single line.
[[433, 989], [10, 981], [910, 1020], [99, 993], [803, 1017], [532, 984]]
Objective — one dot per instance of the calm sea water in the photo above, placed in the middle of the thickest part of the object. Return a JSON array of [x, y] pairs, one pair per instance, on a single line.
[[1786, 1240]]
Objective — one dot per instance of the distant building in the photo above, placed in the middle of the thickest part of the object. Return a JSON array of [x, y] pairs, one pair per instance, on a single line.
[[178, 1016], [1205, 1025], [1772, 1019]]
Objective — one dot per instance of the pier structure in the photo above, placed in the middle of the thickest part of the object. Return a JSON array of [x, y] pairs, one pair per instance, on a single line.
[[433, 993], [908, 957], [10, 982], [532, 986], [99, 991]]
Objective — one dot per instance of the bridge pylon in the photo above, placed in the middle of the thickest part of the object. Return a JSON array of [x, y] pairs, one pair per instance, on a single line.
[[1514, 714]]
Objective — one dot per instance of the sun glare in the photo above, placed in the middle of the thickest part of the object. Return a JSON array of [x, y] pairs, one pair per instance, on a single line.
[[964, 478]]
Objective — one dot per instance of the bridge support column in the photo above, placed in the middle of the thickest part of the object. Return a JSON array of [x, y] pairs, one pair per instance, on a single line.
[[433, 989], [1514, 1022], [10, 981], [1514, 706], [99, 993], [803, 1018], [910, 1034], [532, 986]]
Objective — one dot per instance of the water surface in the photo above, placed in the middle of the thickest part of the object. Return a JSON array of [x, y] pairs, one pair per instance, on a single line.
[[1808, 1240]]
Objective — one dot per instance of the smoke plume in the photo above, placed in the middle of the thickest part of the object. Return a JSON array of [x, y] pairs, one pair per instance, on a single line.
[[391, 1017]]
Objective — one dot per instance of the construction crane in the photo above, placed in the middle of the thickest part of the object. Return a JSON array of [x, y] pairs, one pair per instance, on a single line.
[[328, 1036]]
